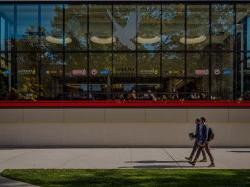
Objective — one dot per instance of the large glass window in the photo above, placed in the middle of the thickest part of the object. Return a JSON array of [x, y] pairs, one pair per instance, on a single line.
[[242, 82], [124, 51], [124, 27], [197, 27], [100, 27], [223, 28], [76, 27], [197, 83], [243, 27], [222, 75], [173, 26], [148, 75], [76, 73], [244, 77], [52, 86], [7, 27], [5, 77], [27, 36], [149, 27], [124, 65], [124, 76], [173, 64], [52, 27], [100, 69], [27, 76]]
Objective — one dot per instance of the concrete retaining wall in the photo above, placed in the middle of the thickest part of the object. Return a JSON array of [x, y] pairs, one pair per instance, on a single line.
[[119, 127]]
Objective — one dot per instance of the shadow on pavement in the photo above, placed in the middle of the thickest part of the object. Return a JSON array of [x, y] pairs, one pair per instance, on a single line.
[[155, 161], [161, 166], [239, 151]]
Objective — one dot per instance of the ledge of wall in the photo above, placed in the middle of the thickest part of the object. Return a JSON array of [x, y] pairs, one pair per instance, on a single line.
[[123, 104]]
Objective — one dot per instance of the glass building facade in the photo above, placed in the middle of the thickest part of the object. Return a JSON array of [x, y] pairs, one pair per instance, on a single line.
[[124, 51]]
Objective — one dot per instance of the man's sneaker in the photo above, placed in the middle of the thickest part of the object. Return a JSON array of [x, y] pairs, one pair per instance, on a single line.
[[188, 158], [212, 165], [192, 163], [203, 160]]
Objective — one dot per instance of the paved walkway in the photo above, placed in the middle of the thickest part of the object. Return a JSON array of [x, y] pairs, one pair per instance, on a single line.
[[4, 182], [109, 158]]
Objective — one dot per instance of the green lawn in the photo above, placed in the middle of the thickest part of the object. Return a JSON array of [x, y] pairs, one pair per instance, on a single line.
[[131, 177]]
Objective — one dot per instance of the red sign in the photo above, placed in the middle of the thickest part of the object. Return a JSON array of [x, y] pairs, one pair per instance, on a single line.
[[79, 72], [201, 72]]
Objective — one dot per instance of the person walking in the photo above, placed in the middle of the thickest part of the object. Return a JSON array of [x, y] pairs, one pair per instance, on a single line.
[[196, 146], [203, 143]]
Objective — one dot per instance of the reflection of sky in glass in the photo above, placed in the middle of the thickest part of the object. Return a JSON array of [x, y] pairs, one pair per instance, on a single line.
[[27, 18], [2, 33], [7, 20], [47, 17], [248, 41], [248, 34]]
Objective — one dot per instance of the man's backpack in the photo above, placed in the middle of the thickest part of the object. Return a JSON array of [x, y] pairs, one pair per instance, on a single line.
[[210, 134]]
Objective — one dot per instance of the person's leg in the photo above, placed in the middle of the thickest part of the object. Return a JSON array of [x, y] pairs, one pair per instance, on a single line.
[[209, 155], [197, 155], [204, 157], [195, 147]]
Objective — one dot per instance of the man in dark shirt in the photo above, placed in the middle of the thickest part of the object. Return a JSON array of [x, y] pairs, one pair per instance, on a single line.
[[203, 143], [196, 146]]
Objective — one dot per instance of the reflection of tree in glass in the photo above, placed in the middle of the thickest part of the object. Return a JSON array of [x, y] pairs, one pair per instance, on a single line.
[[124, 64], [222, 19], [29, 41], [173, 26], [149, 26], [28, 87], [149, 64], [101, 62], [76, 25], [173, 64]]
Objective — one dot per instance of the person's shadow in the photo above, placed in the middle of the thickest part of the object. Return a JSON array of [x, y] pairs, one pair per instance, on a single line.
[[159, 164]]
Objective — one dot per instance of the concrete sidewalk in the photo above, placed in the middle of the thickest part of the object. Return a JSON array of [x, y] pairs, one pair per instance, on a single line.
[[4, 182], [111, 158]]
